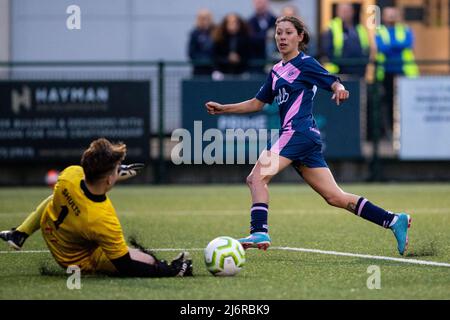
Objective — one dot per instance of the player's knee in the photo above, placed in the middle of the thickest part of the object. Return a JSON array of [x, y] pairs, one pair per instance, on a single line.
[[253, 180], [334, 199], [249, 180]]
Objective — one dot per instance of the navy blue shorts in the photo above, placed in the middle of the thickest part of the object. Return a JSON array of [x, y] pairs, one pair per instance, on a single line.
[[303, 148]]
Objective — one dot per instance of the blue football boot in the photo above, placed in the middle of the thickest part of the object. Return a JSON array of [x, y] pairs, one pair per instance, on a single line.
[[400, 230], [260, 240]]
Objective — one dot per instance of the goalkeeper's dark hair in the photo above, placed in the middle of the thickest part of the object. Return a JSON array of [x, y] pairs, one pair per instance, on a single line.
[[101, 158]]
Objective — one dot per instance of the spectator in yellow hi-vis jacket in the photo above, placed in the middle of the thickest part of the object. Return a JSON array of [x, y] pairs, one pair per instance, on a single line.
[[395, 42]]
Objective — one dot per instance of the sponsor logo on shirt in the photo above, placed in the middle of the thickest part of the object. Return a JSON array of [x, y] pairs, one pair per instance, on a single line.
[[282, 96]]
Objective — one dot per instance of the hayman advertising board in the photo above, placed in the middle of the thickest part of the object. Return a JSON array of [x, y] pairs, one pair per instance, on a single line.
[[57, 120]]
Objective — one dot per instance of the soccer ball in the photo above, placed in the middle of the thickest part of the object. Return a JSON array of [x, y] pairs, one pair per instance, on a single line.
[[224, 256]]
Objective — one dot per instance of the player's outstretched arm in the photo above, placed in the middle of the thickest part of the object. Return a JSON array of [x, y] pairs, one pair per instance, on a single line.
[[136, 263], [248, 106], [129, 171], [340, 94]]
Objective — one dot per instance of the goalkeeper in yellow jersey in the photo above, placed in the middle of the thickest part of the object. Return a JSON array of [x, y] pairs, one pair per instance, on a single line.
[[80, 226]]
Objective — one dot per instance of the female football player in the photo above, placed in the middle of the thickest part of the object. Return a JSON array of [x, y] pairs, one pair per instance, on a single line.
[[293, 82]]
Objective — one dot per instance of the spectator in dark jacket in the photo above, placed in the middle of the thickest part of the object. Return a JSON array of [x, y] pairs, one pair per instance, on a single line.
[[260, 24], [231, 45], [201, 43], [292, 11]]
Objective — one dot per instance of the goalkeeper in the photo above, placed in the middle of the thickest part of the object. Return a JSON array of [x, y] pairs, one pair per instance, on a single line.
[[79, 223]]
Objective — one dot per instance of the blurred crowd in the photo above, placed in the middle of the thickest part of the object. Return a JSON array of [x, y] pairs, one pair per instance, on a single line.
[[238, 46]]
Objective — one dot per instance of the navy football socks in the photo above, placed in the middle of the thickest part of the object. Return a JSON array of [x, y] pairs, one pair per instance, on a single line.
[[259, 214], [367, 210]]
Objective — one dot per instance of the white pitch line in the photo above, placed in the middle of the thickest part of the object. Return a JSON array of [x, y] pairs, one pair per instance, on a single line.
[[25, 251], [151, 249], [366, 256], [334, 253]]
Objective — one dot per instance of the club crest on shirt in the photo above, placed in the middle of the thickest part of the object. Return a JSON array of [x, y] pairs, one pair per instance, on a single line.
[[282, 96], [290, 74]]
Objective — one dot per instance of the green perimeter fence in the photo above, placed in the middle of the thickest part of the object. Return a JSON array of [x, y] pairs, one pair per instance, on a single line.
[[166, 84]]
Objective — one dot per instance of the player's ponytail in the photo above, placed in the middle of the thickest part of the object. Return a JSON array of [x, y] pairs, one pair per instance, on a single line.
[[301, 28]]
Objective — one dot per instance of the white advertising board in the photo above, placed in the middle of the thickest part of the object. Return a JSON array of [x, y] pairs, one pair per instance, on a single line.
[[424, 110]]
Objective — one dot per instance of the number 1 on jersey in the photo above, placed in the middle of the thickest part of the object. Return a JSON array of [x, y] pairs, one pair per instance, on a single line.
[[62, 215]]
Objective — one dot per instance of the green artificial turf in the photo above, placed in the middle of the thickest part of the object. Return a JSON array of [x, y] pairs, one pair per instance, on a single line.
[[188, 217]]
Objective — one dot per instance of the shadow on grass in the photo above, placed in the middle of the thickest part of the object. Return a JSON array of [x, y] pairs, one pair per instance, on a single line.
[[427, 250], [53, 271]]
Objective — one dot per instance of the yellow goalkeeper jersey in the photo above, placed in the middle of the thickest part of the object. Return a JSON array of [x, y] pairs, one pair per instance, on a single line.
[[79, 227]]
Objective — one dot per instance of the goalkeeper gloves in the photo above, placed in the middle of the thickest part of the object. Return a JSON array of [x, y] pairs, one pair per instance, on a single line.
[[130, 170]]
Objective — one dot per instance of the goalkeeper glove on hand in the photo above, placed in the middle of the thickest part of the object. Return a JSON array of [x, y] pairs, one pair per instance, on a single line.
[[130, 170]]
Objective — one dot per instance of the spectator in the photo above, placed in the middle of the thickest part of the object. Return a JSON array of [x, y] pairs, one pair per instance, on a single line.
[[292, 11], [201, 43], [260, 24], [394, 42], [231, 46], [289, 11], [344, 40]]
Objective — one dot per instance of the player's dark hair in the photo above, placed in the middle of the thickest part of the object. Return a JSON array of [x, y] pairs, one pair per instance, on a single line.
[[301, 28], [101, 158]]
